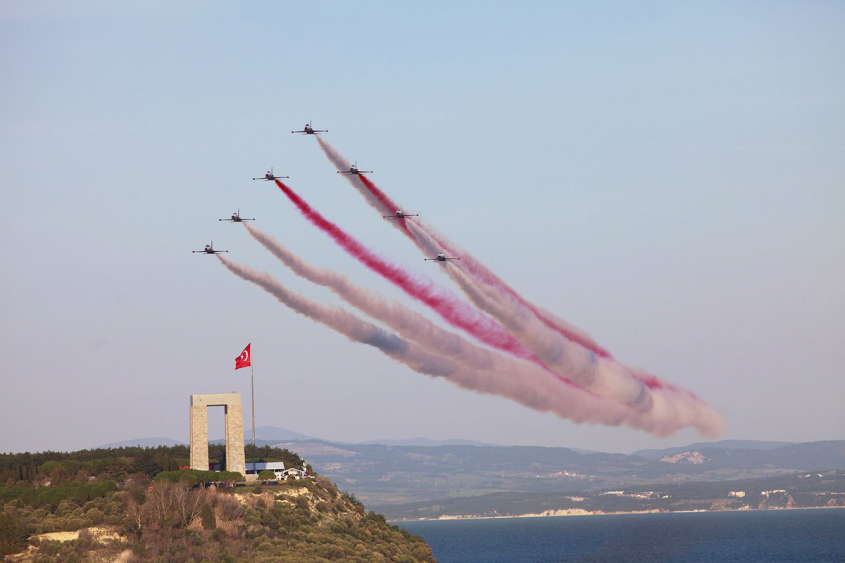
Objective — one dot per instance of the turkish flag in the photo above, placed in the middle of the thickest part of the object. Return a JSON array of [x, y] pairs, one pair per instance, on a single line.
[[245, 359]]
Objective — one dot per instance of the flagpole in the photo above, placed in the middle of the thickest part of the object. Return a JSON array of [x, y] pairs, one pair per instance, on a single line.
[[252, 385]]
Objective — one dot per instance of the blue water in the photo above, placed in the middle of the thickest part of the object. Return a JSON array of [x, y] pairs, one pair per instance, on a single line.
[[752, 536]]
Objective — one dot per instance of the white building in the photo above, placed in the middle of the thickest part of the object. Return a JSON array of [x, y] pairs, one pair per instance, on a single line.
[[277, 467]]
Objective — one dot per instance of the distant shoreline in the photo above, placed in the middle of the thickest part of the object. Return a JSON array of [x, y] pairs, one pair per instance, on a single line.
[[577, 512]]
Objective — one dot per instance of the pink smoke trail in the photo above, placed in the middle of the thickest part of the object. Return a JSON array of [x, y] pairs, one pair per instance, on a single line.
[[377, 199], [403, 320], [406, 322], [445, 303], [532, 387], [669, 410], [520, 312], [429, 240], [483, 275], [384, 205], [346, 323]]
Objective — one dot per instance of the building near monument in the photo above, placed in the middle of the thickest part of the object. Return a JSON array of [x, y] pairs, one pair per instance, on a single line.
[[277, 467], [234, 420]]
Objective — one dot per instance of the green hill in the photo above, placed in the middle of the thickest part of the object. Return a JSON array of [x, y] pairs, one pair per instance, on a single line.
[[134, 504]]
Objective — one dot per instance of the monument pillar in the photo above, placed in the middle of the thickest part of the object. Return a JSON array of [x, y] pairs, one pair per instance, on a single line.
[[231, 402]]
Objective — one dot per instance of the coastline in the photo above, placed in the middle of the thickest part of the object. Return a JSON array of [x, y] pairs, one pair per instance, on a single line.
[[582, 512]]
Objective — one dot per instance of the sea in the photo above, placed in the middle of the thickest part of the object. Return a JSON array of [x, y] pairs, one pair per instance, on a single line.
[[805, 536]]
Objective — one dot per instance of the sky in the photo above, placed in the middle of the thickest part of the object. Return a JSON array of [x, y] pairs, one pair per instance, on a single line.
[[667, 176]]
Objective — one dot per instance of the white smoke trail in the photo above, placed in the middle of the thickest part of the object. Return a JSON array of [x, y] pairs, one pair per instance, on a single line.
[[566, 349], [501, 371], [346, 323], [542, 392], [405, 321], [550, 344], [560, 354], [343, 165]]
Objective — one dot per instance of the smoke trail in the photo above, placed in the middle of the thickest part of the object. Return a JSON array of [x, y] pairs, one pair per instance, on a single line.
[[405, 321], [516, 308], [485, 276], [346, 323], [384, 205], [564, 357], [532, 387], [374, 196], [444, 302], [517, 313]]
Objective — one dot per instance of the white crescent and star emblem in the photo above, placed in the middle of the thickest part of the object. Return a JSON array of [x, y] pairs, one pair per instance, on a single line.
[[245, 356]]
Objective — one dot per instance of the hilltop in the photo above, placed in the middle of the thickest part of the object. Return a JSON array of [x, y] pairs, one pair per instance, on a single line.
[[133, 504]]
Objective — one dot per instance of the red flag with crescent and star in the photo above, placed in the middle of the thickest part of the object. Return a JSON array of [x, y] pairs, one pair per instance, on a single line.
[[245, 359]]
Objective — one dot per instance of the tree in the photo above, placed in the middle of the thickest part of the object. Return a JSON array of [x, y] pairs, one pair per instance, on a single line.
[[12, 534]]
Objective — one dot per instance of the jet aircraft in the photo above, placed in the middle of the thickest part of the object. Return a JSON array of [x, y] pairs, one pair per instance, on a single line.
[[354, 170], [236, 218], [270, 176], [400, 215], [209, 249], [441, 257], [308, 130]]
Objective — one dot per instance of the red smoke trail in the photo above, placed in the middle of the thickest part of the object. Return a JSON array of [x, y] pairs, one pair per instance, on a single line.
[[479, 271], [484, 275], [489, 278], [454, 311], [385, 201]]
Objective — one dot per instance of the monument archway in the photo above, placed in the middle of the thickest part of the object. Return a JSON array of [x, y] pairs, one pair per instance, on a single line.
[[234, 419]]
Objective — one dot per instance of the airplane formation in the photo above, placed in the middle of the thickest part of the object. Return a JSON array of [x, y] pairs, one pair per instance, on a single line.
[[353, 171]]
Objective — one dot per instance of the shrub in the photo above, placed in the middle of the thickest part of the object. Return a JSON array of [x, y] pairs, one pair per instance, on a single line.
[[230, 509], [208, 520], [95, 516]]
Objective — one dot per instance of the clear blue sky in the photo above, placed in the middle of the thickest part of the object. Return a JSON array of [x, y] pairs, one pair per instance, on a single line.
[[668, 176]]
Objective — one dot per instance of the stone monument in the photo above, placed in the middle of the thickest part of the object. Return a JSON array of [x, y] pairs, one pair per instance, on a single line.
[[235, 457]]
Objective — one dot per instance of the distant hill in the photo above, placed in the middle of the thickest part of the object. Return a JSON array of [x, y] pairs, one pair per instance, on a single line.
[[724, 444], [427, 442], [264, 436], [274, 433], [384, 474], [144, 443], [794, 490]]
